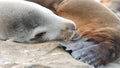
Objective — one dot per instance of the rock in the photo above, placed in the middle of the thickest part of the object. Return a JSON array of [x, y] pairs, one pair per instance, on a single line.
[[44, 55]]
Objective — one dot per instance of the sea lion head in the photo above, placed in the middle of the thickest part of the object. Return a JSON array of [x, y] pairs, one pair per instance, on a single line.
[[24, 21]]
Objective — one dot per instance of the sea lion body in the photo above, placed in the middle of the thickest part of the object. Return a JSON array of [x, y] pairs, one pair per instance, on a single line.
[[24, 21], [99, 25]]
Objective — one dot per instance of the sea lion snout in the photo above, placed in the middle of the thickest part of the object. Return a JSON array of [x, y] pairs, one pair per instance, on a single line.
[[70, 25], [69, 30]]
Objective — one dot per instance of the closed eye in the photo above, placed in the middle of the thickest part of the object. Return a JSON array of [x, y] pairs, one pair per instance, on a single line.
[[40, 34]]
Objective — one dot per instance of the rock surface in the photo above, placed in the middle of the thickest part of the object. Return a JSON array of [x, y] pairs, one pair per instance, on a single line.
[[44, 55]]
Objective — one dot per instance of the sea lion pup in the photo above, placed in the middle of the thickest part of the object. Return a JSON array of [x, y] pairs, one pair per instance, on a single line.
[[96, 23], [28, 22], [114, 5]]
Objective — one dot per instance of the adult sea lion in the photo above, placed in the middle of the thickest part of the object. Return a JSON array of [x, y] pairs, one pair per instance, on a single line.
[[96, 23]]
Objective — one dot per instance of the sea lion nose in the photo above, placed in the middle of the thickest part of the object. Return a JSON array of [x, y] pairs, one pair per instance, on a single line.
[[68, 24], [73, 27]]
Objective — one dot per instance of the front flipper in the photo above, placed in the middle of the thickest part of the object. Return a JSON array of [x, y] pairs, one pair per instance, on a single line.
[[97, 54], [76, 45], [94, 51]]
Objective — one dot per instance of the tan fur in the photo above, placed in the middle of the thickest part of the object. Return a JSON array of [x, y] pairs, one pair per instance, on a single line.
[[82, 13]]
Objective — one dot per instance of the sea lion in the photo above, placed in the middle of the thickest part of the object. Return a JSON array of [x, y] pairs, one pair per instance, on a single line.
[[98, 28], [28, 22], [96, 23]]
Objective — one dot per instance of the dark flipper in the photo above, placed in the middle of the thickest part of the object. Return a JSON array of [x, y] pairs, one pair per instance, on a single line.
[[94, 52]]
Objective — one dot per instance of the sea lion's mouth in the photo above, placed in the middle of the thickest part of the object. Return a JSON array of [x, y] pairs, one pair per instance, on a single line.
[[69, 35], [74, 39], [74, 36]]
